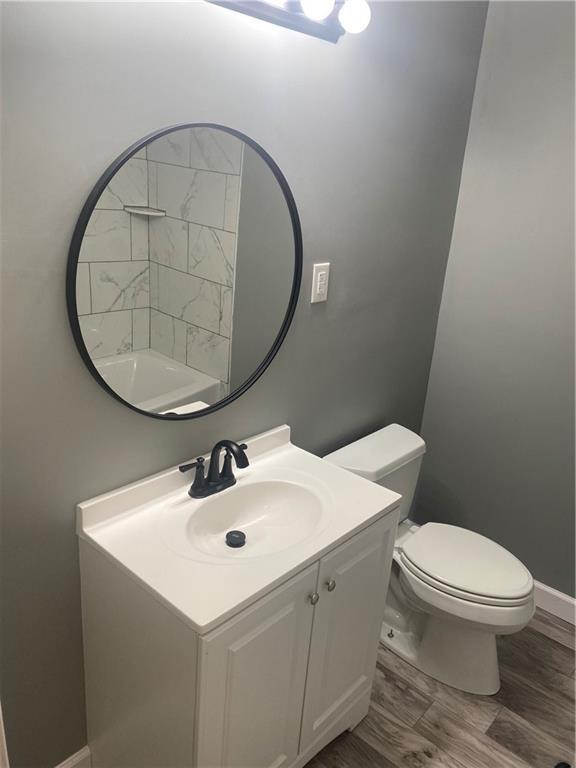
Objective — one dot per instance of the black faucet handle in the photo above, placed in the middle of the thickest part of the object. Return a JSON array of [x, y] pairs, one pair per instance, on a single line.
[[242, 460], [199, 484], [227, 473], [193, 465]]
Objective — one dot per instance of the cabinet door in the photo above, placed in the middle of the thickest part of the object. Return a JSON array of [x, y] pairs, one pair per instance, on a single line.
[[252, 680], [352, 584]]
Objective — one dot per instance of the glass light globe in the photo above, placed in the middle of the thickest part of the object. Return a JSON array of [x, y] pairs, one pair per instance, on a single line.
[[318, 10], [355, 15]]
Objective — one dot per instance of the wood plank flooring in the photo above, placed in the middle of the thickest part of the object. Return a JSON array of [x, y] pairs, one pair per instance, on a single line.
[[417, 722]]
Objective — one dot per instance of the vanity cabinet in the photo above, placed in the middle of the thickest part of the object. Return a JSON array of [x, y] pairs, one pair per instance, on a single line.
[[347, 620], [282, 673], [272, 685], [252, 680]]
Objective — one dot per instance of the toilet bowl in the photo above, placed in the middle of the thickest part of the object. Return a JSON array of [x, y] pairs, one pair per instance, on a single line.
[[451, 590]]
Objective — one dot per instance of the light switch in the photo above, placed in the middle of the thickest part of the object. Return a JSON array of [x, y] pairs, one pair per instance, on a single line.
[[320, 278]]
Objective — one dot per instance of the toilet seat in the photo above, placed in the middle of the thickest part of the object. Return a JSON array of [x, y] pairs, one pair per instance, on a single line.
[[466, 565], [499, 619], [454, 591]]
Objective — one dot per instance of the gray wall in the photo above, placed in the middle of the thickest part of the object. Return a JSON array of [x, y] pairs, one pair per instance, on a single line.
[[264, 267], [499, 415], [370, 135]]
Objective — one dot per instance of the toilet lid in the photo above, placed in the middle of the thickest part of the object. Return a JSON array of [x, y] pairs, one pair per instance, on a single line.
[[467, 561]]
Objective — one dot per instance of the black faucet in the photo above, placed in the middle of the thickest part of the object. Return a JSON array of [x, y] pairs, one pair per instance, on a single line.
[[217, 479]]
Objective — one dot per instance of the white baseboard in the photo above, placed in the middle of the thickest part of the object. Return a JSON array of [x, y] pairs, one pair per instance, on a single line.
[[80, 759], [555, 602]]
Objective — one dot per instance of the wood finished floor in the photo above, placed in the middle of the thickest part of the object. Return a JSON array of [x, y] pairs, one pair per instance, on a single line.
[[416, 722]]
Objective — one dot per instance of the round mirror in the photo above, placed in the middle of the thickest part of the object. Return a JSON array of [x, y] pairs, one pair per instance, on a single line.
[[184, 270]]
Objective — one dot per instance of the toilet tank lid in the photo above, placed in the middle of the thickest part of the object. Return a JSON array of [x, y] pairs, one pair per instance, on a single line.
[[380, 453]]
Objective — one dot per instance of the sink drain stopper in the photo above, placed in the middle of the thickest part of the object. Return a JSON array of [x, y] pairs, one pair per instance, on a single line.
[[235, 539]]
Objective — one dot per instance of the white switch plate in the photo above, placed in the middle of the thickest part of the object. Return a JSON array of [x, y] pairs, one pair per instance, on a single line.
[[320, 278]]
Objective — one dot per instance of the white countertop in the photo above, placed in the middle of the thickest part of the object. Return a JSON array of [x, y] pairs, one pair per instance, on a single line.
[[132, 527]]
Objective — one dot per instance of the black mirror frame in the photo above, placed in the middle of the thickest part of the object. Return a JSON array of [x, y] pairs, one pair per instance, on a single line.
[[76, 243]]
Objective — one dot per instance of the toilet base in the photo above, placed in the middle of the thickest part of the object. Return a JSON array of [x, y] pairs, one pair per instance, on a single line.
[[453, 653]]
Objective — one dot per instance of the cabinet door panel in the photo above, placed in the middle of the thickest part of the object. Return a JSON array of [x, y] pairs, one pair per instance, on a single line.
[[252, 679], [347, 626]]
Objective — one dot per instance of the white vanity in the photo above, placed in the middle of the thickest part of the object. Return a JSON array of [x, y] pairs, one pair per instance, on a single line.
[[198, 655]]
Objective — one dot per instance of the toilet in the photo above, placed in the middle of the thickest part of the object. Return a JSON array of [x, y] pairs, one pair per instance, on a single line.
[[451, 591]]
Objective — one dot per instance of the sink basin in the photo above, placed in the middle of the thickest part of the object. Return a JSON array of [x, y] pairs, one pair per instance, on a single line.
[[274, 514]]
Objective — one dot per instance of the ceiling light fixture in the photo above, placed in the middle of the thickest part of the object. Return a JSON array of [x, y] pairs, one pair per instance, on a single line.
[[355, 16], [318, 10], [326, 19]]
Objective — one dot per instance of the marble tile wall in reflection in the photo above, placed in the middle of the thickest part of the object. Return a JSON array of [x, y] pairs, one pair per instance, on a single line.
[[195, 177], [113, 277], [107, 333], [166, 283]]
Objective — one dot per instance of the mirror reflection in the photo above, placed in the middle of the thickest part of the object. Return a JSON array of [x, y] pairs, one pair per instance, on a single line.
[[185, 271]]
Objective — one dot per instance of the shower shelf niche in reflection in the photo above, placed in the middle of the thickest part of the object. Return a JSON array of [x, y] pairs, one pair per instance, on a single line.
[[144, 210]]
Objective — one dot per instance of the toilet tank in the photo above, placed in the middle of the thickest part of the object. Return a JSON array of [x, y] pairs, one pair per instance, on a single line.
[[390, 457]]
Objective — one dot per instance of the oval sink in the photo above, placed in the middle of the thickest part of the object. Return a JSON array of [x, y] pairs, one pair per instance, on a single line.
[[273, 514]]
